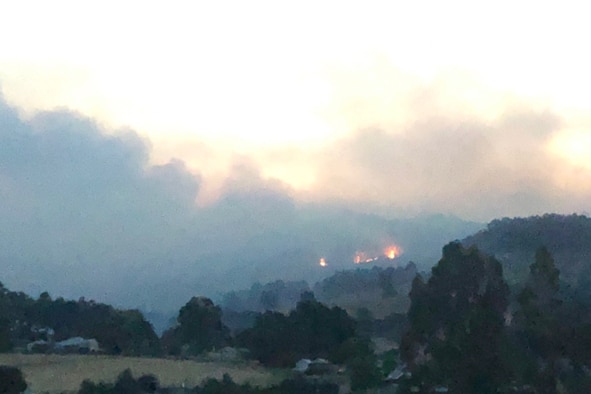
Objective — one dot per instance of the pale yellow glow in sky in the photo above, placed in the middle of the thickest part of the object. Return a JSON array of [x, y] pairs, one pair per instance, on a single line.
[[207, 81]]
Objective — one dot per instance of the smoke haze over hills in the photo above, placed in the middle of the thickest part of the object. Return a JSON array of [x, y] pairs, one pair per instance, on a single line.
[[84, 213], [87, 211]]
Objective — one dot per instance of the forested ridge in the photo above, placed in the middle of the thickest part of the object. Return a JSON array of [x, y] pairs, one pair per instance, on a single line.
[[514, 240]]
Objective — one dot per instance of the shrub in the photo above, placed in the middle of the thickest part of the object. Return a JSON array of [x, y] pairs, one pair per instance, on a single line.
[[11, 380]]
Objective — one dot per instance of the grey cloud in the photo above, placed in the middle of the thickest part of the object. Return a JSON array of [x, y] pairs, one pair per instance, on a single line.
[[78, 204], [84, 213], [470, 167], [525, 122]]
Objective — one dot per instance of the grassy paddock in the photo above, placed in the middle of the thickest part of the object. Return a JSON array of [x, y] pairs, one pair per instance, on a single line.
[[64, 373]]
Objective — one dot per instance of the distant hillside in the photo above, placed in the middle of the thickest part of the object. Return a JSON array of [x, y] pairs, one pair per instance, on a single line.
[[514, 241], [278, 296], [381, 291]]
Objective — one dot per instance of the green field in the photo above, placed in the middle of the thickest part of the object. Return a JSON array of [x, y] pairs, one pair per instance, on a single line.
[[64, 373]]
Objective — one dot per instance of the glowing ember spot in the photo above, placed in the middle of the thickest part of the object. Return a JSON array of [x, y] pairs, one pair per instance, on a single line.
[[359, 258], [362, 257], [392, 252], [322, 262]]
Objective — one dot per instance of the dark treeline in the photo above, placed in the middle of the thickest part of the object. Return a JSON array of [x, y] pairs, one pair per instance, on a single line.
[[146, 384], [198, 328], [24, 319], [312, 330], [471, 333]]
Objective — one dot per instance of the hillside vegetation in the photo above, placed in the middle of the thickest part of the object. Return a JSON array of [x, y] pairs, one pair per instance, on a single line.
[[381, 291], [514, 241]]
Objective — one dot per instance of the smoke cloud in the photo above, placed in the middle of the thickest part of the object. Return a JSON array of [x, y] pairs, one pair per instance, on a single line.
[[85, 213]]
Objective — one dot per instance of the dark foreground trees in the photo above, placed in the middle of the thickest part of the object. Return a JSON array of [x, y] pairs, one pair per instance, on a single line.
[[463, 335], [124, 332], [539, 307], [311, 330], [125, 384], [457, 324], [117, 331], [11, 380], [553, 329], [146, 384], [199, 328]]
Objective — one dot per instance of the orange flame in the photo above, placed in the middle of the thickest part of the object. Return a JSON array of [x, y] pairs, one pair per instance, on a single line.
[[359, 258], [392, 252], [362, 257], [322, 262]]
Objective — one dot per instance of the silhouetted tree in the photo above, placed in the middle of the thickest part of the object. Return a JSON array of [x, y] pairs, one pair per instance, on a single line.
[[125, 384], [148, 383], [457, 321], [311, 330], [539, 303], [224, 386], [11, 380], [5, 340], [199, 328], [538, 318], [117, 331], [300, 385]]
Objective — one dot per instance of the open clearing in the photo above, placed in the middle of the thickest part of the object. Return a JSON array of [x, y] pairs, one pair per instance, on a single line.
[[64, 373]]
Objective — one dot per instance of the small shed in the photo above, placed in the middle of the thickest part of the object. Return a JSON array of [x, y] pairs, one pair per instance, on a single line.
[[39, 346], [318, 366], [77, 345], [302, 365]]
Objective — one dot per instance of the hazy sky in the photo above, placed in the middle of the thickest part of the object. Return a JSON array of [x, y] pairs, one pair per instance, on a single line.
[[471, 108]]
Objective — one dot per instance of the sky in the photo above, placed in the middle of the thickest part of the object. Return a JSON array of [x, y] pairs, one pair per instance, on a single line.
[[355, 101], [164, 121]]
